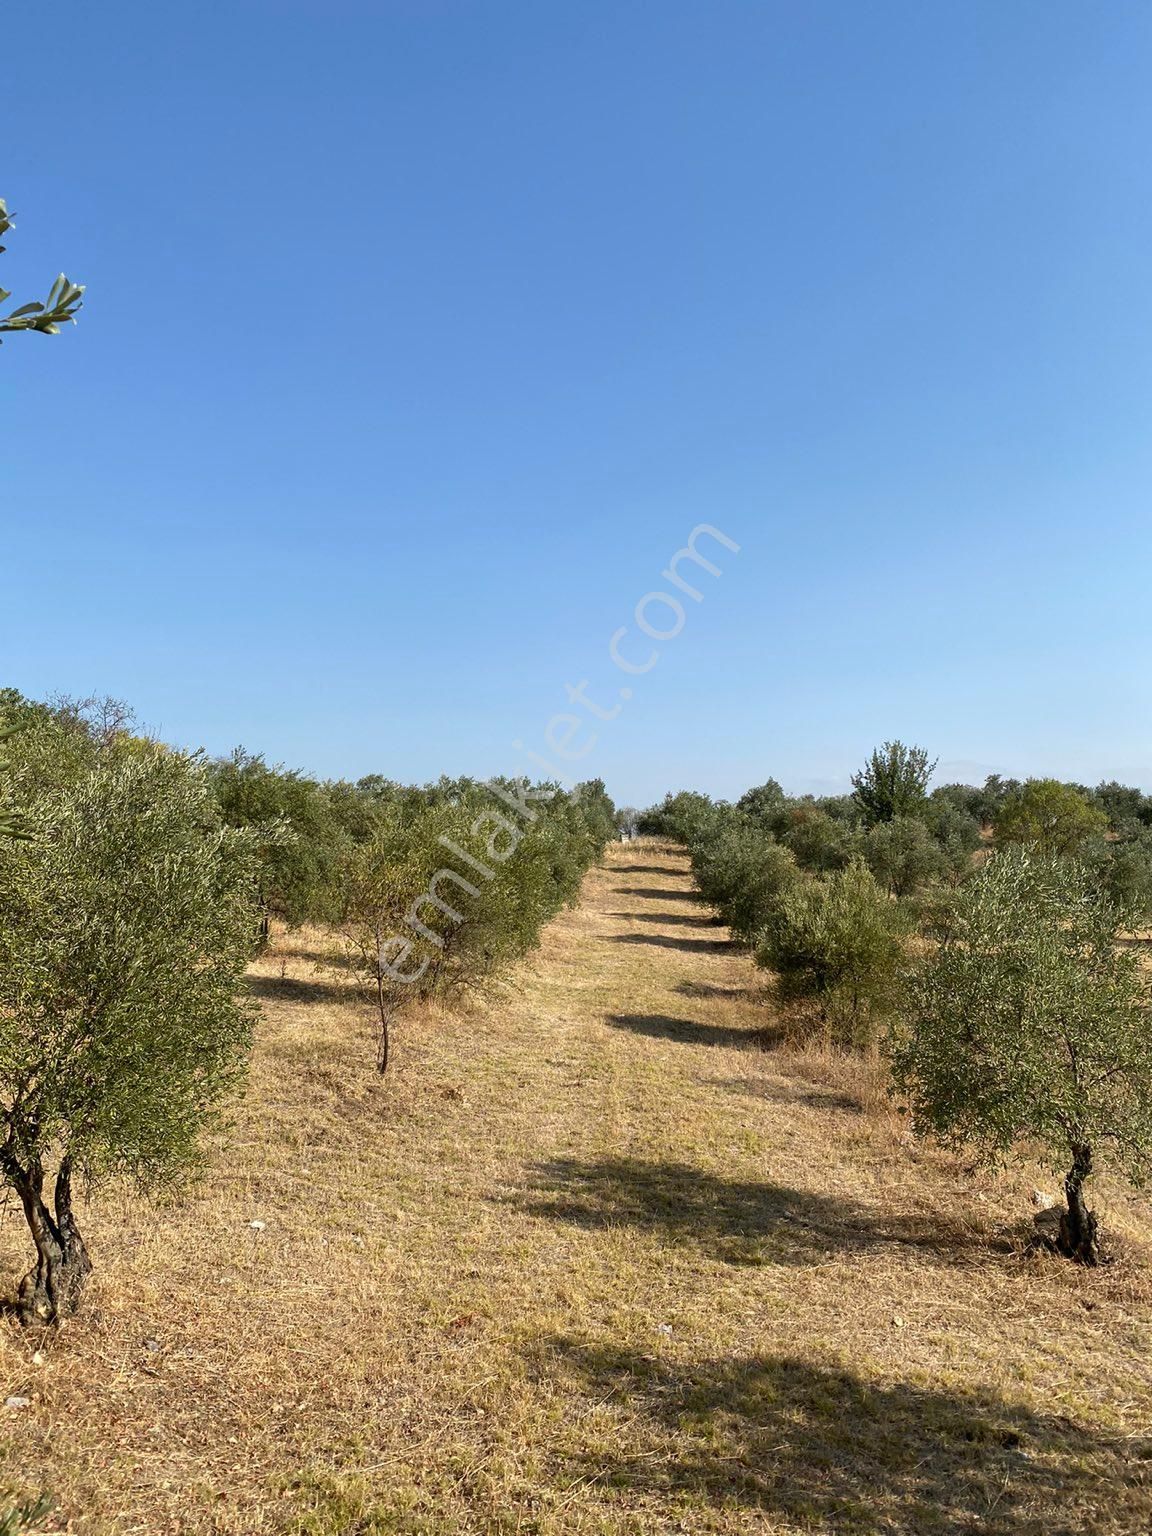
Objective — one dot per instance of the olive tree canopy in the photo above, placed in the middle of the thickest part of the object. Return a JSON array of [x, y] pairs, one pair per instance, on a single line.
[[127, 917], [1031, 1025]]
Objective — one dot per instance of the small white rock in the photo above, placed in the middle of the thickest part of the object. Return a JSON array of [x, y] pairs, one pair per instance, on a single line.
[[665, 1328], [17, 1402], [897, 1322], [1041, 1201], [257, 1226], [38, 1357]]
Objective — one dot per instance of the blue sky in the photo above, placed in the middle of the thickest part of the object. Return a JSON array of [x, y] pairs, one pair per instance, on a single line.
[[419, 335]]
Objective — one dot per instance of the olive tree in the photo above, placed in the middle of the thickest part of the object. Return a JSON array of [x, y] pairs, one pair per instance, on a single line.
[[301, 836], [1127, 874], [450, 890], [11, 822], [627, 818], [763, 803], [126, 921], [679, 816], [1054, 818], [1030, 1025], [742, 871], [378, 881], [957, 831], [820, 842], [1128, 809], [840, 942], [903, 855]]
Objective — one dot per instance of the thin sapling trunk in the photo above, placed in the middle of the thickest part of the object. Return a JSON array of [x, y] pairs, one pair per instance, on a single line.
[[384, 1009]]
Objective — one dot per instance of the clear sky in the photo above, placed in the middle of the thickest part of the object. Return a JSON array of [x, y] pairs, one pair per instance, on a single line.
[[420, 333]]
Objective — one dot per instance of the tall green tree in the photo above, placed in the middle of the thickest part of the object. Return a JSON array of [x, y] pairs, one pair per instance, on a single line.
[[893, 782], [1031, 1027]]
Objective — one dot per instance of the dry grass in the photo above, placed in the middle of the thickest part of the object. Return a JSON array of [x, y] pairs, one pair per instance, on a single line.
[[590, 1261]]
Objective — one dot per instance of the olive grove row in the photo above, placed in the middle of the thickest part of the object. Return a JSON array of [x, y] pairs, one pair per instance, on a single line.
[[986, 940], [136, 885]]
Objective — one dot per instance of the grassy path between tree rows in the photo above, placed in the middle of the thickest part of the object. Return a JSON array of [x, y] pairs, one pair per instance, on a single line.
[[591, 1260]]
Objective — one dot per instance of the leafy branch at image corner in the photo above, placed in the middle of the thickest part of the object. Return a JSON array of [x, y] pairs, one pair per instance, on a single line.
[[59, 308]]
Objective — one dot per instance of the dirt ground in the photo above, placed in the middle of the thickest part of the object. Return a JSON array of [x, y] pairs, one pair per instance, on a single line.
[[590, 1260]]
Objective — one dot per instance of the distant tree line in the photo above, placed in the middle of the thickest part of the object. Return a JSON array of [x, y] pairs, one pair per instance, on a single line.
[[137, 883], [975, 934]]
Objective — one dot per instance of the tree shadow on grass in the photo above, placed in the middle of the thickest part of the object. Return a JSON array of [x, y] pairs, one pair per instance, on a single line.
[[827, 1449], [671, 941], [294, 989], [729, 994], [685, 919], [641, 869], [328, 956], [793, 1091], [742, 1222], [661, 1026], [659, 893]]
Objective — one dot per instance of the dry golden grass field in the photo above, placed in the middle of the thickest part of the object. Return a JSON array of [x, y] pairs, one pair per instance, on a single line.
[[591, 1260]]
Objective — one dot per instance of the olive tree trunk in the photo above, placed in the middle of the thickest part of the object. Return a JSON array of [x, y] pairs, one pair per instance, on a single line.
[[384, 1037], [51, 1288], [1079, 1238]]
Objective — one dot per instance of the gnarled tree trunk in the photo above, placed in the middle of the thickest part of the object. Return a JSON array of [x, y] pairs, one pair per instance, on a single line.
[[1079, 1238], [51, 1288]]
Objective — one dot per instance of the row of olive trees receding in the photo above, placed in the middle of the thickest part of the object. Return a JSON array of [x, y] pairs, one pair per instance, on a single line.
[[495, 861], [138, 889], [916, 842], [1018, 1015], [367, 860]]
